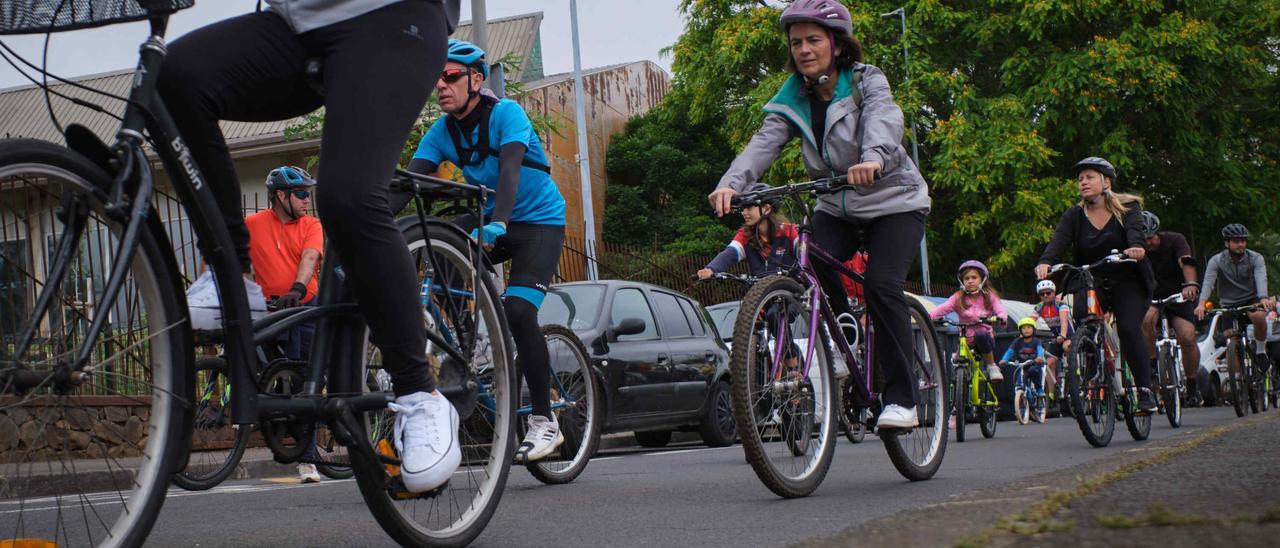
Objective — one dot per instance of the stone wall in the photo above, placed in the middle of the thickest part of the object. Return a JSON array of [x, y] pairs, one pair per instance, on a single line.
[[88, 427]]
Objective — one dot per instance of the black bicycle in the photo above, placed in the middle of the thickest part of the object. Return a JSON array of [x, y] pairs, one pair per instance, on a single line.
[[1244, 377], [75, 479]]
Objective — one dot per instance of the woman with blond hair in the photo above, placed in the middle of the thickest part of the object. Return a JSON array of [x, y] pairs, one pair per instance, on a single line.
[[1105, 220]]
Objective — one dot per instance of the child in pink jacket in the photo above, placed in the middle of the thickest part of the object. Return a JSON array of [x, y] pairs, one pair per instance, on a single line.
[[974, 302]]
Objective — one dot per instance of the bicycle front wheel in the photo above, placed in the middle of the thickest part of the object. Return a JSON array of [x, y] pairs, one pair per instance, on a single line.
[[917, 453], [784, 402], [1170, 376], [85, 456], [1091, 393], [960, 399], [1021, 407], [216, 444], [1235, 377], [470, 316], [577, 400]]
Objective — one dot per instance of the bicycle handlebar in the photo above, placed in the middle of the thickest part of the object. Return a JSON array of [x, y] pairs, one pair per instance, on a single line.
[[986, 321], [1115, 257], [740, 278], [1175, 298], [829, 185], [408, 181]]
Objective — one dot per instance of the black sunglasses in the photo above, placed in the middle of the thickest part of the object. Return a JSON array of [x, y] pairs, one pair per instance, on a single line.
[[452, 75], [1043, 293], [301, 193]]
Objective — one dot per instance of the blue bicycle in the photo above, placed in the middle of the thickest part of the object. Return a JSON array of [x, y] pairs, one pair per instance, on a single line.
[[1030, 403]]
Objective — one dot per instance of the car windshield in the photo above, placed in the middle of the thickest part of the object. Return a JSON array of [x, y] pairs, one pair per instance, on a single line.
[[723, 316], [573, 306]]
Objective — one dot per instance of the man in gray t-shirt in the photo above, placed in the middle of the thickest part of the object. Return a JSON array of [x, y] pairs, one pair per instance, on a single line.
[[1240, 277]]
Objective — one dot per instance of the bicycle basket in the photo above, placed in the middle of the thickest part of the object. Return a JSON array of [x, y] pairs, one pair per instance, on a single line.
[[40, 16]]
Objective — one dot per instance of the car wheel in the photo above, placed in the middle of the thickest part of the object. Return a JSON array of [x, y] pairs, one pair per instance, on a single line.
[[1210, 391], [717, 428], [658, 438]]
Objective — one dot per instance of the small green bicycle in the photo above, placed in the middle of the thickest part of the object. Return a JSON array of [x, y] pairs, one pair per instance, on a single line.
[[972, 393]]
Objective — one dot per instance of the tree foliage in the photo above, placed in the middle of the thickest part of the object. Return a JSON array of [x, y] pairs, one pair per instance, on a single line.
[[1007, 95]]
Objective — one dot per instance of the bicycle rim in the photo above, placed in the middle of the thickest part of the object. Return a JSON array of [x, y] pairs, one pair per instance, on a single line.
[[1171, 393], [576, 400], [486, 429], [1092, 397], [216, 444], [787, 421], [1235, 377], [88, 464], [918, 453], [961, 399]]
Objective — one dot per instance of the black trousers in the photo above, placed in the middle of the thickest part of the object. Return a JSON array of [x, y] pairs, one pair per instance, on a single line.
[[892, 242], [379, 70], [1129, 299]]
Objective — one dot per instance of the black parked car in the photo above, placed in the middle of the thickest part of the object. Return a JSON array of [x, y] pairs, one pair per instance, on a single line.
[[660, 358]]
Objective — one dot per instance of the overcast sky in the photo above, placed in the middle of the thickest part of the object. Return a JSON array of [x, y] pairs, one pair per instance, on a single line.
[[612, 31]]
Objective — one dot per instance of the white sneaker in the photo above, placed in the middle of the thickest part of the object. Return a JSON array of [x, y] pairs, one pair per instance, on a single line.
[[426, 436], [205, 304], [542, 438], [994, 374], [897, 416], [308, 474]]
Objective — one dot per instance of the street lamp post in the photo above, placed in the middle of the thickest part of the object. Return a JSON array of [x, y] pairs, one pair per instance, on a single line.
[[915, 147]]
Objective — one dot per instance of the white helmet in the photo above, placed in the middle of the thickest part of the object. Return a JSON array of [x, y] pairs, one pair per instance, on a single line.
[[1044, 285]]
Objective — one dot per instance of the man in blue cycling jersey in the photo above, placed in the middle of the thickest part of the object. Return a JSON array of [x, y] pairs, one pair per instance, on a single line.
[[494, 144]]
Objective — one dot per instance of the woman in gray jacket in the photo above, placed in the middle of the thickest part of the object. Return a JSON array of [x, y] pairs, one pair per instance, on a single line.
[[844, 114]]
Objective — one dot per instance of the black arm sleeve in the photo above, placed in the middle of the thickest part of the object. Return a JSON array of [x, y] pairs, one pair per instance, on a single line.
[[1133, 226], [510, 157], [397, 200], [1061, 236]]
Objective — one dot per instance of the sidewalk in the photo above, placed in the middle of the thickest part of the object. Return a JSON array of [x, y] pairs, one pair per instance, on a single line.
[[1216, 487]]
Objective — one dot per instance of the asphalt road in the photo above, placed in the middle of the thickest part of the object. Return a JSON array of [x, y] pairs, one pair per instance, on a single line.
[[682, 496]]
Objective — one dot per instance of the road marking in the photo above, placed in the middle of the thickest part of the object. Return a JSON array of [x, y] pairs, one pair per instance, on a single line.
[[661, 453]]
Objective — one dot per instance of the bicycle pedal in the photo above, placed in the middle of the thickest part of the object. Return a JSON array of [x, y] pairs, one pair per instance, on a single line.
[[397, 490], [385, 450]]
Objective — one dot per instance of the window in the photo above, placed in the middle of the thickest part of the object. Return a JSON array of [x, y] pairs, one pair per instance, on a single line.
[[674, 324], [573, 306], [691, 314], [630, 303]]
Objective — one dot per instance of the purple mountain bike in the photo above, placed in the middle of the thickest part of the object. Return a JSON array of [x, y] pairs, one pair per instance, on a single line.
[[787, 395]]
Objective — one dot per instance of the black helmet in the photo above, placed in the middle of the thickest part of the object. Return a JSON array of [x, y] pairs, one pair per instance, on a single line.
[[1150, 224], [1233, 231], [289, 177], [1101, 165], [771, 200]]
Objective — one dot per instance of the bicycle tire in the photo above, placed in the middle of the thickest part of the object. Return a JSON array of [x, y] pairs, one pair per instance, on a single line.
[[150, 340], [463, 508], [1171, 387], [582, 382], [1093, 406], [961, 399], [213, 424], [1139, 426], [989, 419], [749, 367], [1255, 388], [918, 453], [1021, 407], [1042, 411], [1235, 377]]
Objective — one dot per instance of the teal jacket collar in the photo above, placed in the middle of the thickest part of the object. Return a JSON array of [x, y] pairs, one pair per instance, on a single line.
[[793, 102]]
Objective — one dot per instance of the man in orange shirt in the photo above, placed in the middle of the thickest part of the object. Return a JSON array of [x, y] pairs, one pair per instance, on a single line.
[[284, 246]]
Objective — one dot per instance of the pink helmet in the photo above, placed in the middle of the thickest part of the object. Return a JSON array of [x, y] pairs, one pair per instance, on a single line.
[[976, 265], [828, 13]]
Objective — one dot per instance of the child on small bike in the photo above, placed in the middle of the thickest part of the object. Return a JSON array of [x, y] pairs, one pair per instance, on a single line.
[[974, 302], [1027, 347], [766, 240]]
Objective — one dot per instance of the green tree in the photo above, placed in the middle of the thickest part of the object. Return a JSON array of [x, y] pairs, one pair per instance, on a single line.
[[1180, 95]]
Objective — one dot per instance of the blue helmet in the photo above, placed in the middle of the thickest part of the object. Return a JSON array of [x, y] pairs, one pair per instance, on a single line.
[[287, 177], [468, 54]]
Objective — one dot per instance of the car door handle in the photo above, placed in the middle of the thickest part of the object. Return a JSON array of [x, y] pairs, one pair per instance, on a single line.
[[662, 358], [711, 356]]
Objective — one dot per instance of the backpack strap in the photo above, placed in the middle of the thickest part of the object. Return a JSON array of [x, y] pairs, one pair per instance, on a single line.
[[476, 153]]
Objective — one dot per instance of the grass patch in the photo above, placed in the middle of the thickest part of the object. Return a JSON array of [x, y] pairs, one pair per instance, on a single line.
[[1157, 515], [1038, 519]]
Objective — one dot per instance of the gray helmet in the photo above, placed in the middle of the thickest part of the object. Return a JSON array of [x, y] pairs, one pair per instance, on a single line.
[[1101, 165], [1233, 231], [1150, 224], [828, 13]]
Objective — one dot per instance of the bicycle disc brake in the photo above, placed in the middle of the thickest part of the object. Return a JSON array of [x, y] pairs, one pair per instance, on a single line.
[[287, 437]]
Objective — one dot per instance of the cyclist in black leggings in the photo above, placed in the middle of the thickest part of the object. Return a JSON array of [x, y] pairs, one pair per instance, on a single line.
[[1103, 221], [494, 143], [380, 59]]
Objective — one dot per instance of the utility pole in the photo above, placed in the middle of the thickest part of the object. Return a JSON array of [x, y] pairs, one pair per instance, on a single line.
[[584, 158], [915, 146]]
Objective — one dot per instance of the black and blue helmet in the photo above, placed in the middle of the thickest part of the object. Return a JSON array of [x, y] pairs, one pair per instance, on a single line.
[[466, 53], [289, 177]]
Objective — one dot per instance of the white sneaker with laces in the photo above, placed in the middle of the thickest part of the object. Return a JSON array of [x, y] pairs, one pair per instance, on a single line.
[[542, 438], [994, 374], [897, 416], [205, 304], [308, 474], [426, 436]]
